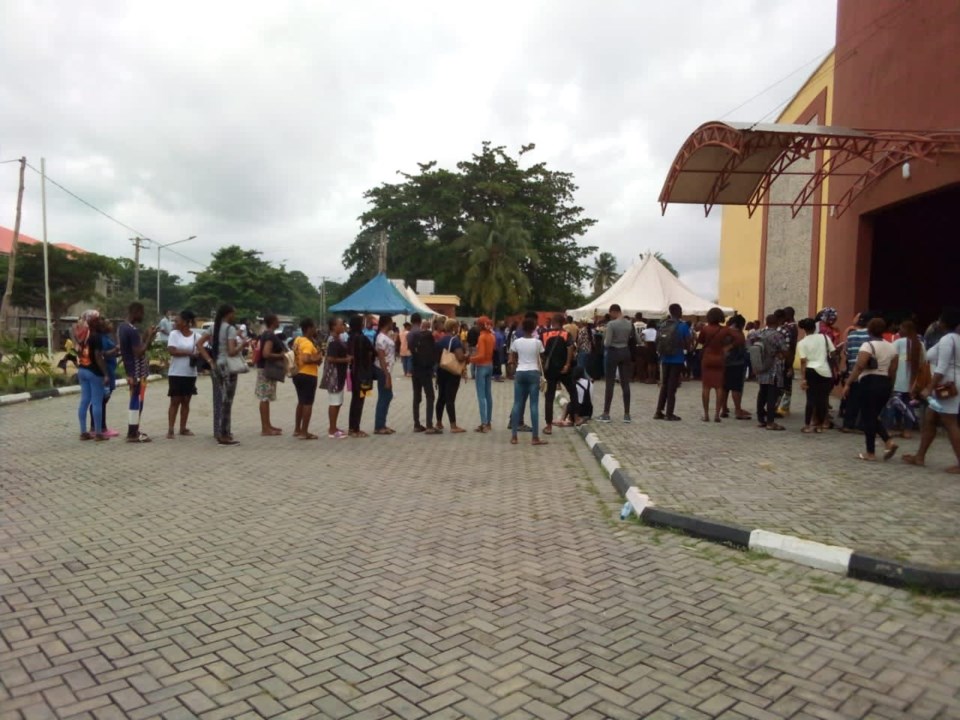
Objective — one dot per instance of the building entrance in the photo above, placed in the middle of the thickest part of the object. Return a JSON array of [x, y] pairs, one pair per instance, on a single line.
[[915, 258]]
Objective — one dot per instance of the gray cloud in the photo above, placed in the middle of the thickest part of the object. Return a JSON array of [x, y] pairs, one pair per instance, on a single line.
[[262, 124]]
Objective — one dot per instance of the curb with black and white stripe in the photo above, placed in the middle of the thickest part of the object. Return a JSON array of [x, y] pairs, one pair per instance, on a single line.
[[831, 558], [15, 398]]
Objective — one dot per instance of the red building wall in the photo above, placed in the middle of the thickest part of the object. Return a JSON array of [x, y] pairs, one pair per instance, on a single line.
[[897, 67]]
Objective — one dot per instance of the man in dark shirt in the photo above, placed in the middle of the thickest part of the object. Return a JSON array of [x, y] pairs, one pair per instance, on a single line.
[[133, 350], [791, 333], [422, 348]]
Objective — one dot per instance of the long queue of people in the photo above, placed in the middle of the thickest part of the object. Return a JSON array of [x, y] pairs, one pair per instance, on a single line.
[[884, 378]]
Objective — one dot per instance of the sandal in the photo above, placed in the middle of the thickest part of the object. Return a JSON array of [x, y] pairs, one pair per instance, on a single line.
[[548, 430], [272, 432], [432, 431], [538, 441], [912, 460], [890, 452], [513, 441], [309, 436], [454, 430], [86, 436], [186, 433], [953, 470], [776, 427], [100, 437], [745, 416], [861, 456], [141, 438], [170, 435], [479, 429], [807, 430]]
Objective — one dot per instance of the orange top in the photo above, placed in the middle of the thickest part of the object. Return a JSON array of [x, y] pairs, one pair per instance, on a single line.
[[485, 347]]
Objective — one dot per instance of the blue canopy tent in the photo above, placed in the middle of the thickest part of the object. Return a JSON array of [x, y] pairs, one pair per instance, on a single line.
[[379, 296]]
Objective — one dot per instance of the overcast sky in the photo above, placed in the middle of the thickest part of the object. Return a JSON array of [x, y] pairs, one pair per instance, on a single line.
[[261, 124]]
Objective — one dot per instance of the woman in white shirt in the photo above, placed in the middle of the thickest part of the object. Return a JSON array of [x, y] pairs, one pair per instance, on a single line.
[[815, 351], [912, 357], [943, 401], [875, 368], [525, 354], [184, 345]]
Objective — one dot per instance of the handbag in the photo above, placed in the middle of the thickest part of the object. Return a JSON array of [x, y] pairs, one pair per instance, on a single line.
[[274, 370], [948, 389], [543, 379], [232, 364], [449, 362], [872, 363]]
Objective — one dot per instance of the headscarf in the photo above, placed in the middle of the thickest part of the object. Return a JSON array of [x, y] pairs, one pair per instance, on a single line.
[[484, 322], [827, 315]]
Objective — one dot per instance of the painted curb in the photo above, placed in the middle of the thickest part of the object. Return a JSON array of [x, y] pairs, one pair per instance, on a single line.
[[17, 398], [830, 558]]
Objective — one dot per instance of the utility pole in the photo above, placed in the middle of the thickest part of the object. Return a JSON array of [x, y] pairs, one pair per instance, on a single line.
[[11, 268], [323, 301], [382, 253], [138, 242]]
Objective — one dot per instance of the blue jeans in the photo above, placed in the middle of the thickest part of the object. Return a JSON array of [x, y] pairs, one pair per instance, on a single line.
[[91, 398], [582, 356], [485, 392], [526, 384], [407, 362], [384, 398]]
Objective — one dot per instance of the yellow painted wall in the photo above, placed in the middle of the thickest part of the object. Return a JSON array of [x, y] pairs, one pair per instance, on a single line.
[[741, 236]]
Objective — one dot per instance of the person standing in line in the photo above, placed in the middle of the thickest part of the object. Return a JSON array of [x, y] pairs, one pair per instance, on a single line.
[[361, 373], [559, 348], [788, 328], [92, 375], [814, 351], [133, 350], [637, 349], [649, 343], [942, 398], [529, 315], [499, 348], [272, 351], [225, 344], [525, 354], [734, 370], [584, 344], [370, 328], [405, 359], [482, 361], [307, 356], [335, 375], [852, 404], [616, 343], [673, 340], [111, 352], [770, 375], [183, 344], [875, 368], [385, 348], [423, 353], [448, 383], [717, 340]]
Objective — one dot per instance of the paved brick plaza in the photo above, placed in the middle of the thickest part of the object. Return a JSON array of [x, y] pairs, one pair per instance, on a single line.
[[413, 576]]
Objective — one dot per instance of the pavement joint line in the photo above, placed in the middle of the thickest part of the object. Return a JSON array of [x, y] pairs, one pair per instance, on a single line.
[[43, 394], [821, 556]]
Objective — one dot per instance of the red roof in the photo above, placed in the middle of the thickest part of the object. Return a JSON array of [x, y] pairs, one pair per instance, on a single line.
[[6, 242]]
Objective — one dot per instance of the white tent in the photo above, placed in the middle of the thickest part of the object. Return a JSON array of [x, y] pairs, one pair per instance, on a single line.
[[425, 310], [647, 287]]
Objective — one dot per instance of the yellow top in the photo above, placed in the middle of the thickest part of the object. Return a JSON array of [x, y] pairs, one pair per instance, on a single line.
[[302, 347]]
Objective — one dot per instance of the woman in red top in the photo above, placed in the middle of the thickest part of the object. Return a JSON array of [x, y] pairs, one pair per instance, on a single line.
[[482, 360], [716, 339]]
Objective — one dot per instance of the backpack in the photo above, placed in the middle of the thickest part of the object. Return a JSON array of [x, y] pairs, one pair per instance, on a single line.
[[668, 338], [556, 354], [424, 350], [585, 406], [761, 358]]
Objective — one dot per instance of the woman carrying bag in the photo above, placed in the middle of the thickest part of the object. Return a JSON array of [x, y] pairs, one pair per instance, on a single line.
[[307, 357], [452, 369], [227, 351]]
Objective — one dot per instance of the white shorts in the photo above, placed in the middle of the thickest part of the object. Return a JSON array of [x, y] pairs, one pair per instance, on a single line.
[[336, 399]]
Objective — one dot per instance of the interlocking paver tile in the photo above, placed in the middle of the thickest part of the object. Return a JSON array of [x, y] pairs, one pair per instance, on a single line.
[[411, 576]]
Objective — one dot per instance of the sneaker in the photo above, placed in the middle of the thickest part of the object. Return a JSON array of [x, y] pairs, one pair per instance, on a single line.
[[627, 420], [659, 416], [111, 433], [338, 435], [673, 418], [604, 418]]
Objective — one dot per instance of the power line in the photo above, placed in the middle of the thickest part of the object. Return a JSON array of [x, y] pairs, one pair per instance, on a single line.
[[820, 56], [4, 162], [195, 262], [89, 204]]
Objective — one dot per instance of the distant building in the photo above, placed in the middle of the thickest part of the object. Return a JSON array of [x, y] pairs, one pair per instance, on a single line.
[[445, 305]]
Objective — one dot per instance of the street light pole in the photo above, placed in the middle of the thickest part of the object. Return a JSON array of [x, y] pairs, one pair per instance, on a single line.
[[159, 248]]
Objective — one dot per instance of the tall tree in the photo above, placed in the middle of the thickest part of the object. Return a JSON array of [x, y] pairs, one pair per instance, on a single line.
[[73, 277], [499, 256], [603, 274], [429, 210]]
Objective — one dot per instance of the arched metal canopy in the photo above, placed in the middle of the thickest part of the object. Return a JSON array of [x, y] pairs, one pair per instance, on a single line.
[[736, 163]]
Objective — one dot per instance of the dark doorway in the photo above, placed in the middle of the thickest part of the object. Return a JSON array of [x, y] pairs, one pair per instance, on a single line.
[[915, 260]]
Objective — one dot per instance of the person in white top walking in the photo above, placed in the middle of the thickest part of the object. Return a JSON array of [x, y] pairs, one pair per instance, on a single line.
[[817, 373], [875, 369], [944, 402]]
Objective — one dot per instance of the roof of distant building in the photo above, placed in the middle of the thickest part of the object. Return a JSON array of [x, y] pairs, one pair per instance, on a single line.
[[6, 242]]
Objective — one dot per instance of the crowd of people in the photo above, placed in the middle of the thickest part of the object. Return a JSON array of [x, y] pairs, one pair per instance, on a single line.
[[886, 378]]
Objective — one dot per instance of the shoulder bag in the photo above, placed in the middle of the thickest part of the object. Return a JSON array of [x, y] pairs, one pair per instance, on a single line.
[[543, 378], [232, 364], [448, 360]]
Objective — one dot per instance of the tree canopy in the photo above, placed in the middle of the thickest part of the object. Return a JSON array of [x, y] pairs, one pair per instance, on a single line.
[[426, 213]]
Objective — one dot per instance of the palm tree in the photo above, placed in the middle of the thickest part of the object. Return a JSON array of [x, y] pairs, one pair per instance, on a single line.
[[604, 272], [496, 256], [666, 263]]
